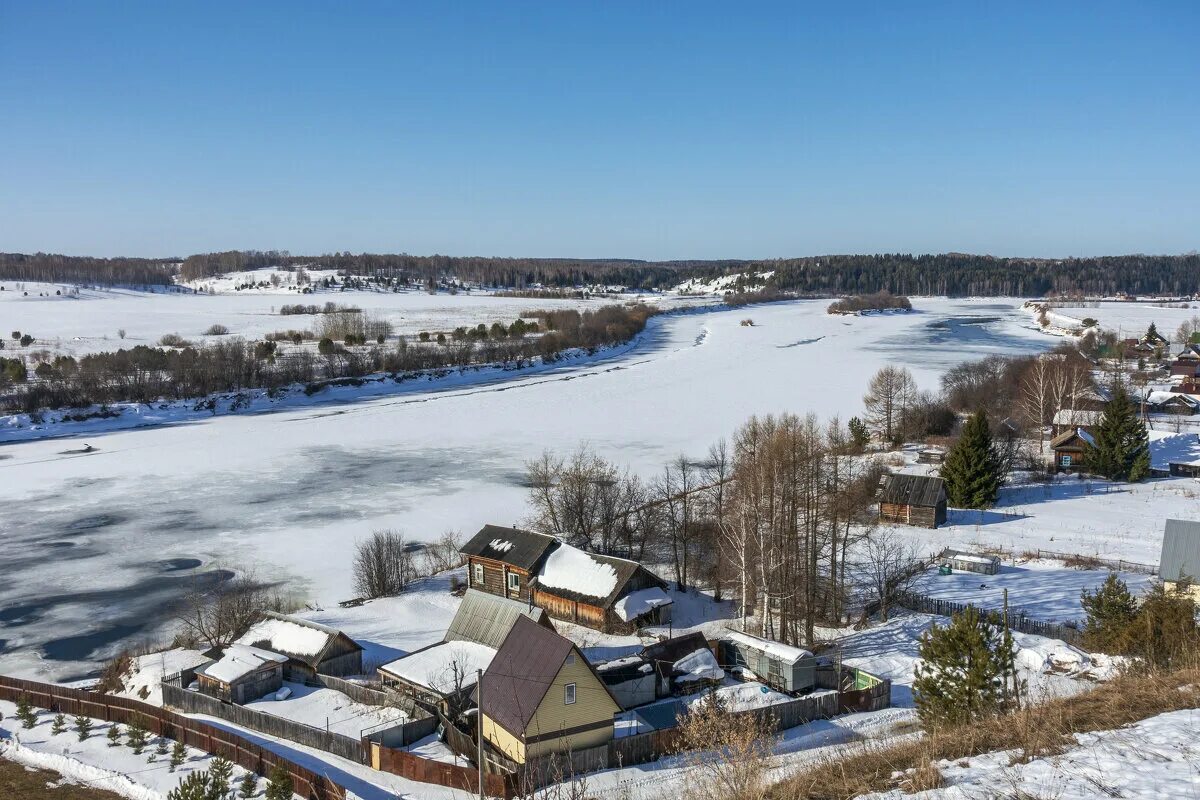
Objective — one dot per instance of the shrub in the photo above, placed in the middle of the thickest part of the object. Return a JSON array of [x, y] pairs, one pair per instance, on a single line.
[[326, 347], [216, 330], [174, 340], [280, 786], [26, 340]]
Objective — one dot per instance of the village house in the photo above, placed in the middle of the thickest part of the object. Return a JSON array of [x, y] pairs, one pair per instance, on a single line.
[[1179, 564], [613, 595], [1174, 402], [241, 674], [541, 696], [310, 648], [441, 675], [965, 561], [1070, 450], [912, 500]]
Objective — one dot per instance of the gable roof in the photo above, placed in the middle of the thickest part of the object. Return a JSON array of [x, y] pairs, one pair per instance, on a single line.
[[521, 549], [1180, 551], [904, 489], [1066, 436], [238, 661], [590, 577], [487, 618], [296, 638], [777, 650], [522, 672], [1077, 416]]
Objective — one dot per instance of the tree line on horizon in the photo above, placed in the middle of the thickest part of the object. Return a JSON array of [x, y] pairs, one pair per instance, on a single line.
[[953, 274]]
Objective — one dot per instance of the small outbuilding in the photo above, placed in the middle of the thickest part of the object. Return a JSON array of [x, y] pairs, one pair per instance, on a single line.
[[310, 647], [1179, 564], [241, 674], [964, 561], [1070, 419], [913, 500], [780, 666], [1070, 450]]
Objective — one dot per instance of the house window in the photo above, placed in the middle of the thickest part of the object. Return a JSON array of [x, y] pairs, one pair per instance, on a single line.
[[570, 694], [571, 659], [1066, 460], [479, 574], [514, 582]]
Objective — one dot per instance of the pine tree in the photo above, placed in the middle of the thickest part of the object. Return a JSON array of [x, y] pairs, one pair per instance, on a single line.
[[83, 726], [280, 785], [136, 738], [1165, 631], [25, 712], [221, 770], [964, 671], [1111, 609], [178, 754], [249, 786], [972, 470], [196, 786], [860, 437], [161, 747], [1151, 333], [1121, 451], [114, 735], [59, 725]]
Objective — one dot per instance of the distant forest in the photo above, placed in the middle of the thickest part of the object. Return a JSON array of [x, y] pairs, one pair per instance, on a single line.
[[953, 274]]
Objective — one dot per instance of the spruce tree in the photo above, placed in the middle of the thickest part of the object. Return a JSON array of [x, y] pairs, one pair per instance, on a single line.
[[860, 437], [1121, 448], [965, 671], [59, 725], [221, 770], [83, 726], [114, 735], [249, 786], [136, 738], [972, 470], [1111, 609], [178, 754], [196, 786]]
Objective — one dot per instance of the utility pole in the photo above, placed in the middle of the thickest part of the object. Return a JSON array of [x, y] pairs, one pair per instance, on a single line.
[[479, 728]]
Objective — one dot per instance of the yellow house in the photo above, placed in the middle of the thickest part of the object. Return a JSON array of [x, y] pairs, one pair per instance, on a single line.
[[540, 696]]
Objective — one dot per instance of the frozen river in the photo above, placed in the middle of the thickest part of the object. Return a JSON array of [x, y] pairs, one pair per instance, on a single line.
[[96, 546]]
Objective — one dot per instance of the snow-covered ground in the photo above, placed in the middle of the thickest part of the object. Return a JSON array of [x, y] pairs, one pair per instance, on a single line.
[[1153, 759], [1044, 589], [1129, 320], [133, 523], [327, 709], [143, 680]]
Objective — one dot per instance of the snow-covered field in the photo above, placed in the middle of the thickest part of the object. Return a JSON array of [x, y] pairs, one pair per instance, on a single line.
[[134, 523], [1130, 320]]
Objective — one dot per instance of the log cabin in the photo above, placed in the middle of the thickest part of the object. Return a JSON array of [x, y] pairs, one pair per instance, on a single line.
[[310, 647], [609, 594], [913, 500]]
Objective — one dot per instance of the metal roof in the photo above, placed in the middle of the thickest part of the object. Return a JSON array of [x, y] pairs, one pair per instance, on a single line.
[[521, 673], [1180, 551], [486, 618], [913, 490], [521, 549], [664, 654]]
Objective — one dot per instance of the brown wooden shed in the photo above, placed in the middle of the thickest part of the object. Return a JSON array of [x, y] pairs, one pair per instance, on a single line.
[[913, 500]]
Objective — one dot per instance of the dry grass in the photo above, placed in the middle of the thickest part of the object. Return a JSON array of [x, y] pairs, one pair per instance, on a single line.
[[1082, 562], [17, 781], [923, 778], [1045, 729]]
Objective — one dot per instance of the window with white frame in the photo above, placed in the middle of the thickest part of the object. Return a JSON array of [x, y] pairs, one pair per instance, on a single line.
[[569, 696], [479, 574], [514, 582]]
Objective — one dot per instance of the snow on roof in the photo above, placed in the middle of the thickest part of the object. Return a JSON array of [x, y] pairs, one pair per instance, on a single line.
[[501, 545], [572, 569], [974, 559], [437, 667], [772, 648], [642, 601], [286, 636], [239, 660], [1076, 416], [617, 663], [1087, 437], [699, 665]]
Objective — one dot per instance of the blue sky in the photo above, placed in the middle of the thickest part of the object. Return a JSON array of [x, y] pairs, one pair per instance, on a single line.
[[639, 130]]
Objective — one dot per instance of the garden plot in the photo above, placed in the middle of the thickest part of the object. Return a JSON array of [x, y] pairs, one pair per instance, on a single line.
[[327, 709], [1044, 590]]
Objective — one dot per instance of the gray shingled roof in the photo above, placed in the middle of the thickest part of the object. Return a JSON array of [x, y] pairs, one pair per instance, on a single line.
[[913, 490], [486, 619], [1180, 551], [525, 549]]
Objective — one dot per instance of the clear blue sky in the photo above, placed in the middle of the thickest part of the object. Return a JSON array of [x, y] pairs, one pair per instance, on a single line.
[[641, 130]]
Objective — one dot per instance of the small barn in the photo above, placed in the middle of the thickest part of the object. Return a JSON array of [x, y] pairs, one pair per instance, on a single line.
[[1070, 450], [631, 680], [931, 455], [1179, 564], [913, 500], [964, 561], [780, 666], [241, 674], [310, 648], [1184, 469]]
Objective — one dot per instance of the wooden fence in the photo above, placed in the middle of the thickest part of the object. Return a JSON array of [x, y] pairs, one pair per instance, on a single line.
[[1018, 620], [407, 765], [1120, 565], [167, 723], [347, 747]]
